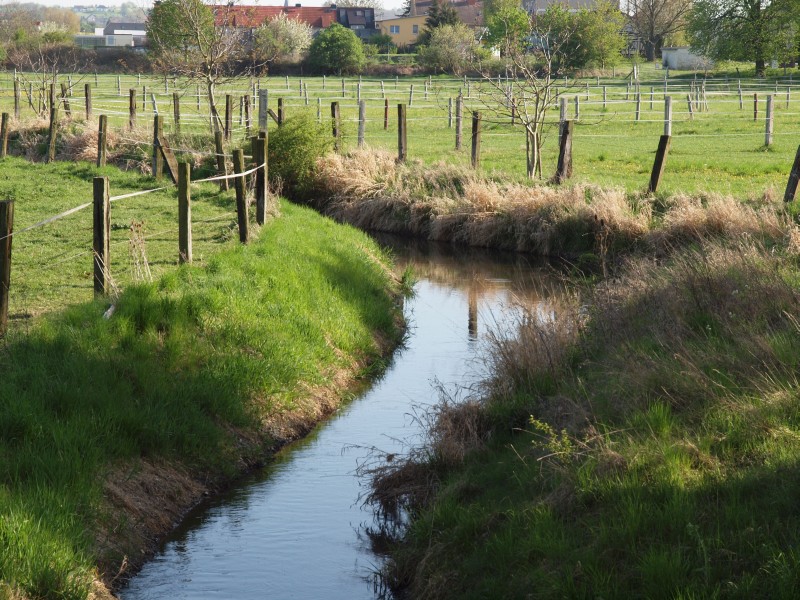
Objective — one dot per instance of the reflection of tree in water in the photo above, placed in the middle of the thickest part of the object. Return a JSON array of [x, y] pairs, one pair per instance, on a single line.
[[483, 274]]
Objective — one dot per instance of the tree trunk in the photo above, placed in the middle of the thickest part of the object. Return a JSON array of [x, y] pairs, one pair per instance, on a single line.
[[650, 50], [761, 67], [216, 121]]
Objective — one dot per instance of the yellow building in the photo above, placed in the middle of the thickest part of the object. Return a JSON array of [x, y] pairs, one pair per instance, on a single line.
[[404, 31]]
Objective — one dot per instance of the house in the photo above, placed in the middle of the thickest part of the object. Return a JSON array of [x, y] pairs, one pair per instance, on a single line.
[[117, 28], [469, 11], [360, 20], [536, 7], [404, 31]]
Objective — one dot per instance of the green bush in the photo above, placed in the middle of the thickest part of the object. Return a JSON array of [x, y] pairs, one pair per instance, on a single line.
[[294, 148], [336, 50]]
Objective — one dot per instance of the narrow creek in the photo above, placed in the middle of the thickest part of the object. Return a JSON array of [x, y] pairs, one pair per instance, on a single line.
[[297, 529]]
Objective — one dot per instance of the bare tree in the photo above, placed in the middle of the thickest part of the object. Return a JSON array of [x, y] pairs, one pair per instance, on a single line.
[[655, 20], [202, 43]]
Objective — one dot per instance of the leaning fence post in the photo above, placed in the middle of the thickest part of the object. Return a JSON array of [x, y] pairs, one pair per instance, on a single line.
[[51, 145], [102, 138], [4, 138], [335, 125], [362, 121], [476, 140], [220, 152], [102, 228], [659, 163], [6, 236], [184, 213], [158, 159], [794, 179], [564, 168], [241, 201], [402, 137]]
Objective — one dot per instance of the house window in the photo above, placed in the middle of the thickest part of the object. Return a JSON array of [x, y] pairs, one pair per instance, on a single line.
[[394, 28], [415, 29], [359, 13]]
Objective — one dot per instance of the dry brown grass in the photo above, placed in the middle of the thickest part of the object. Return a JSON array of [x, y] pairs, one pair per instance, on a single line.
[[450, 203]]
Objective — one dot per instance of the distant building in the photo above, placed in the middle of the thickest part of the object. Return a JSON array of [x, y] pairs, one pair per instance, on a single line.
[[115, 35], [469, 11], [681, 58], [120, 28], [535, 7], [404, 31]]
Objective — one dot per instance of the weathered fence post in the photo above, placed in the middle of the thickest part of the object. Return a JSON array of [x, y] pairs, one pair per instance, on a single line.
[[667, 115], [741, 98], [755, 106], [176, 111], [652, 94], [605, 97], [6, 237], [158, 159], [184, 212], [228, 116], [402, 137], [385, 114], [65, 100], [475, 155], [280, 111], [564, 168], [263, 106], [411, 95], [51, 144], [450, 112], [459, 120], [87, 100], [362, 121], [4, 138], [101, 236], [259, 146], [119, 86], [769, 122], [791, 185], [102, 139], [220, 152], [336, 125], [248, 121], [562, 114], [131, 108], [241, 202], [659, 163], [16, 99], [690, 104]]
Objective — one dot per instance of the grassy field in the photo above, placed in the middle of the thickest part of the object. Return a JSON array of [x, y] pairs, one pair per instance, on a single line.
[[187, 362], [718, 150]]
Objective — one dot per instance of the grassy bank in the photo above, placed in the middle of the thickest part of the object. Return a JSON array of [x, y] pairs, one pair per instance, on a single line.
[[643, 443], [194, 377]]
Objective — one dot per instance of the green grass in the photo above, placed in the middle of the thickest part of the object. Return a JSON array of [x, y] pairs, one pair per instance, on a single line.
[[225, 343]]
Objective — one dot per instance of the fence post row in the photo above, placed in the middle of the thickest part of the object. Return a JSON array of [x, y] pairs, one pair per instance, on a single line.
[[184, 213], [241, 200], [6, 237], [101, 235]]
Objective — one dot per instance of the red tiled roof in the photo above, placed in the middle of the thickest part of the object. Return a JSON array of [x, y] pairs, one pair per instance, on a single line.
[[253, 16]]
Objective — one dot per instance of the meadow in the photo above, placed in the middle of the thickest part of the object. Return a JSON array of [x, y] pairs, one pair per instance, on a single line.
[[719, 148]]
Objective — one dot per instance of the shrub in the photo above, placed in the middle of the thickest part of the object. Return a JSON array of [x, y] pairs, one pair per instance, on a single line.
[[294, 148], [337, 49]]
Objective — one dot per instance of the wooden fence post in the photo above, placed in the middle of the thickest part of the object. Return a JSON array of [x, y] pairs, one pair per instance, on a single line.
[[263, 105], [280, 111], [228, 116], [17, 98], [184, 213], [102, 236], [402, 137], [241, 201], [65, 100], [102, 139], [220, 152], [755, 106], [335, 125], [638, 106], [385, 114], [564, 168], [459, 120], [259, 146], [605, 97], [4, 139], [411, 95], [158, 159], [794, 179], [131, 108], [577, 102], [362, 121], [6, 237], [768, 125], [741, 98], [668, 115], [176, 111], [659, 163], [248, 121], [119, 86], [475, 155], [450, 112], [51, 144], [690, 104]]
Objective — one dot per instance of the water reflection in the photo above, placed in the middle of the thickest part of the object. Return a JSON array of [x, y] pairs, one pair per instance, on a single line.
[[296, 529]]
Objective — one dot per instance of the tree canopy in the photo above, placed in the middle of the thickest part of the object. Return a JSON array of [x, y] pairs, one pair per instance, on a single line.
[[281, 39], [440, 13], [508, 24], [337, 49]]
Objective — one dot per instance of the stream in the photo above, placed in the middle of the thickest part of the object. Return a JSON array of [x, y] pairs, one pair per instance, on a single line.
[[297, 529]]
